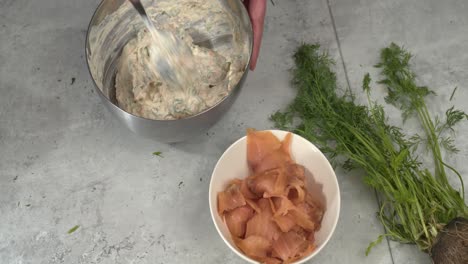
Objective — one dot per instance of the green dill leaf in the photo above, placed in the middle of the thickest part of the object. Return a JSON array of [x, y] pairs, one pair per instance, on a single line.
[[158, 153], [349, 165], [400, 81], [374, 243], [414, 141], [281, 120], [366, 82], [453, 93], [448, 144], [73, 229], [453, 117]]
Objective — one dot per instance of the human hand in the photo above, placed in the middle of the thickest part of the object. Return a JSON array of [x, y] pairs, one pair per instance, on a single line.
[[256, 9]]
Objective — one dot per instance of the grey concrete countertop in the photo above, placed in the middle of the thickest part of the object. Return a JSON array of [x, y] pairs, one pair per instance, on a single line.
[[65, 161]]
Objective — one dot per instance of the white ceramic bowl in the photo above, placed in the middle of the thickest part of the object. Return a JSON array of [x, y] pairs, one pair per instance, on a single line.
[[233, 164]]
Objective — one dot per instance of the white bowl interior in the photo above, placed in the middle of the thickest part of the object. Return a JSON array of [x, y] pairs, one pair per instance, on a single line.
[[321, 180]]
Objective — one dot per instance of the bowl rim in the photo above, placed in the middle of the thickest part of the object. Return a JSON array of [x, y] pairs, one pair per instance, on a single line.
[[236, 87], [335, 182]]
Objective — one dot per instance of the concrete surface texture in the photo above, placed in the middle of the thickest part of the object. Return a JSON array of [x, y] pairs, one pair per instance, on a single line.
[[65, 161]]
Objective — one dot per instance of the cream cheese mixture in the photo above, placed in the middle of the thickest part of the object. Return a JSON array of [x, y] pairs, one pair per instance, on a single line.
[[139, 88]]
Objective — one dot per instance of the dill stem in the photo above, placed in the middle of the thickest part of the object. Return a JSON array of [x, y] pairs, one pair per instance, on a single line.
[[415, 190], [429, 128]]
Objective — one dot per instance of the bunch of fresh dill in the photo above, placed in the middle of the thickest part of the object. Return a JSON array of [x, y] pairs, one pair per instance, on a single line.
[[415, 203]]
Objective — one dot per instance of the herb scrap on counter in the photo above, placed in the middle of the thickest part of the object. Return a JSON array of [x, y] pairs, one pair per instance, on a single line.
[[158, 153], [73, 229], [415, 203]]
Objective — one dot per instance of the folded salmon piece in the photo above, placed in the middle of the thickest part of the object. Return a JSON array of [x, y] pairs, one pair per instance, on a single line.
[[265, 151], [272, 205], [259, 145], [265, 206], [230, 198], [309, 249], [300, 231], [262, 224], [297, 213], [314, 212], [253, 204], [302, 218], [285, 222], [289, 245], [296, 171], [306, 251], [236, 220], [268, 183], [245, 190], [256, 247], [262, 183], [295, 190], [276, 159], [282, 205], [311, 237]]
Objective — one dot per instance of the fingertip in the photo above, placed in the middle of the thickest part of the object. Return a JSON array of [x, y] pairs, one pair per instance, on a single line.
[[253, 64], [254, 56], [255, 51]]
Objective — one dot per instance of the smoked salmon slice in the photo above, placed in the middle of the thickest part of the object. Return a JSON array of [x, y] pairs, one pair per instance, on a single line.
[[285, 222], [259, 145], [296, 171], [236, 220], [268, 183], [282, 205], [262, 224], [314, 212], [270, 214], [265, 151], [302, 219], [277, 158], [289, 245], [256, 247], [246, 192], [231, 198], [295, 192]]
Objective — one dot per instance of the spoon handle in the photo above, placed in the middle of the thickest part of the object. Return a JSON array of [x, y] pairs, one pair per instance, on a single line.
[[139, 7]]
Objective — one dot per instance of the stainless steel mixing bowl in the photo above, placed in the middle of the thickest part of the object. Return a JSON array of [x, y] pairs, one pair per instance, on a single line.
[[103, 75]]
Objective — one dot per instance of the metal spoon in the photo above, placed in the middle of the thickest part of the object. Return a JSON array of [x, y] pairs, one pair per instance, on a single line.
[[173, 58]]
